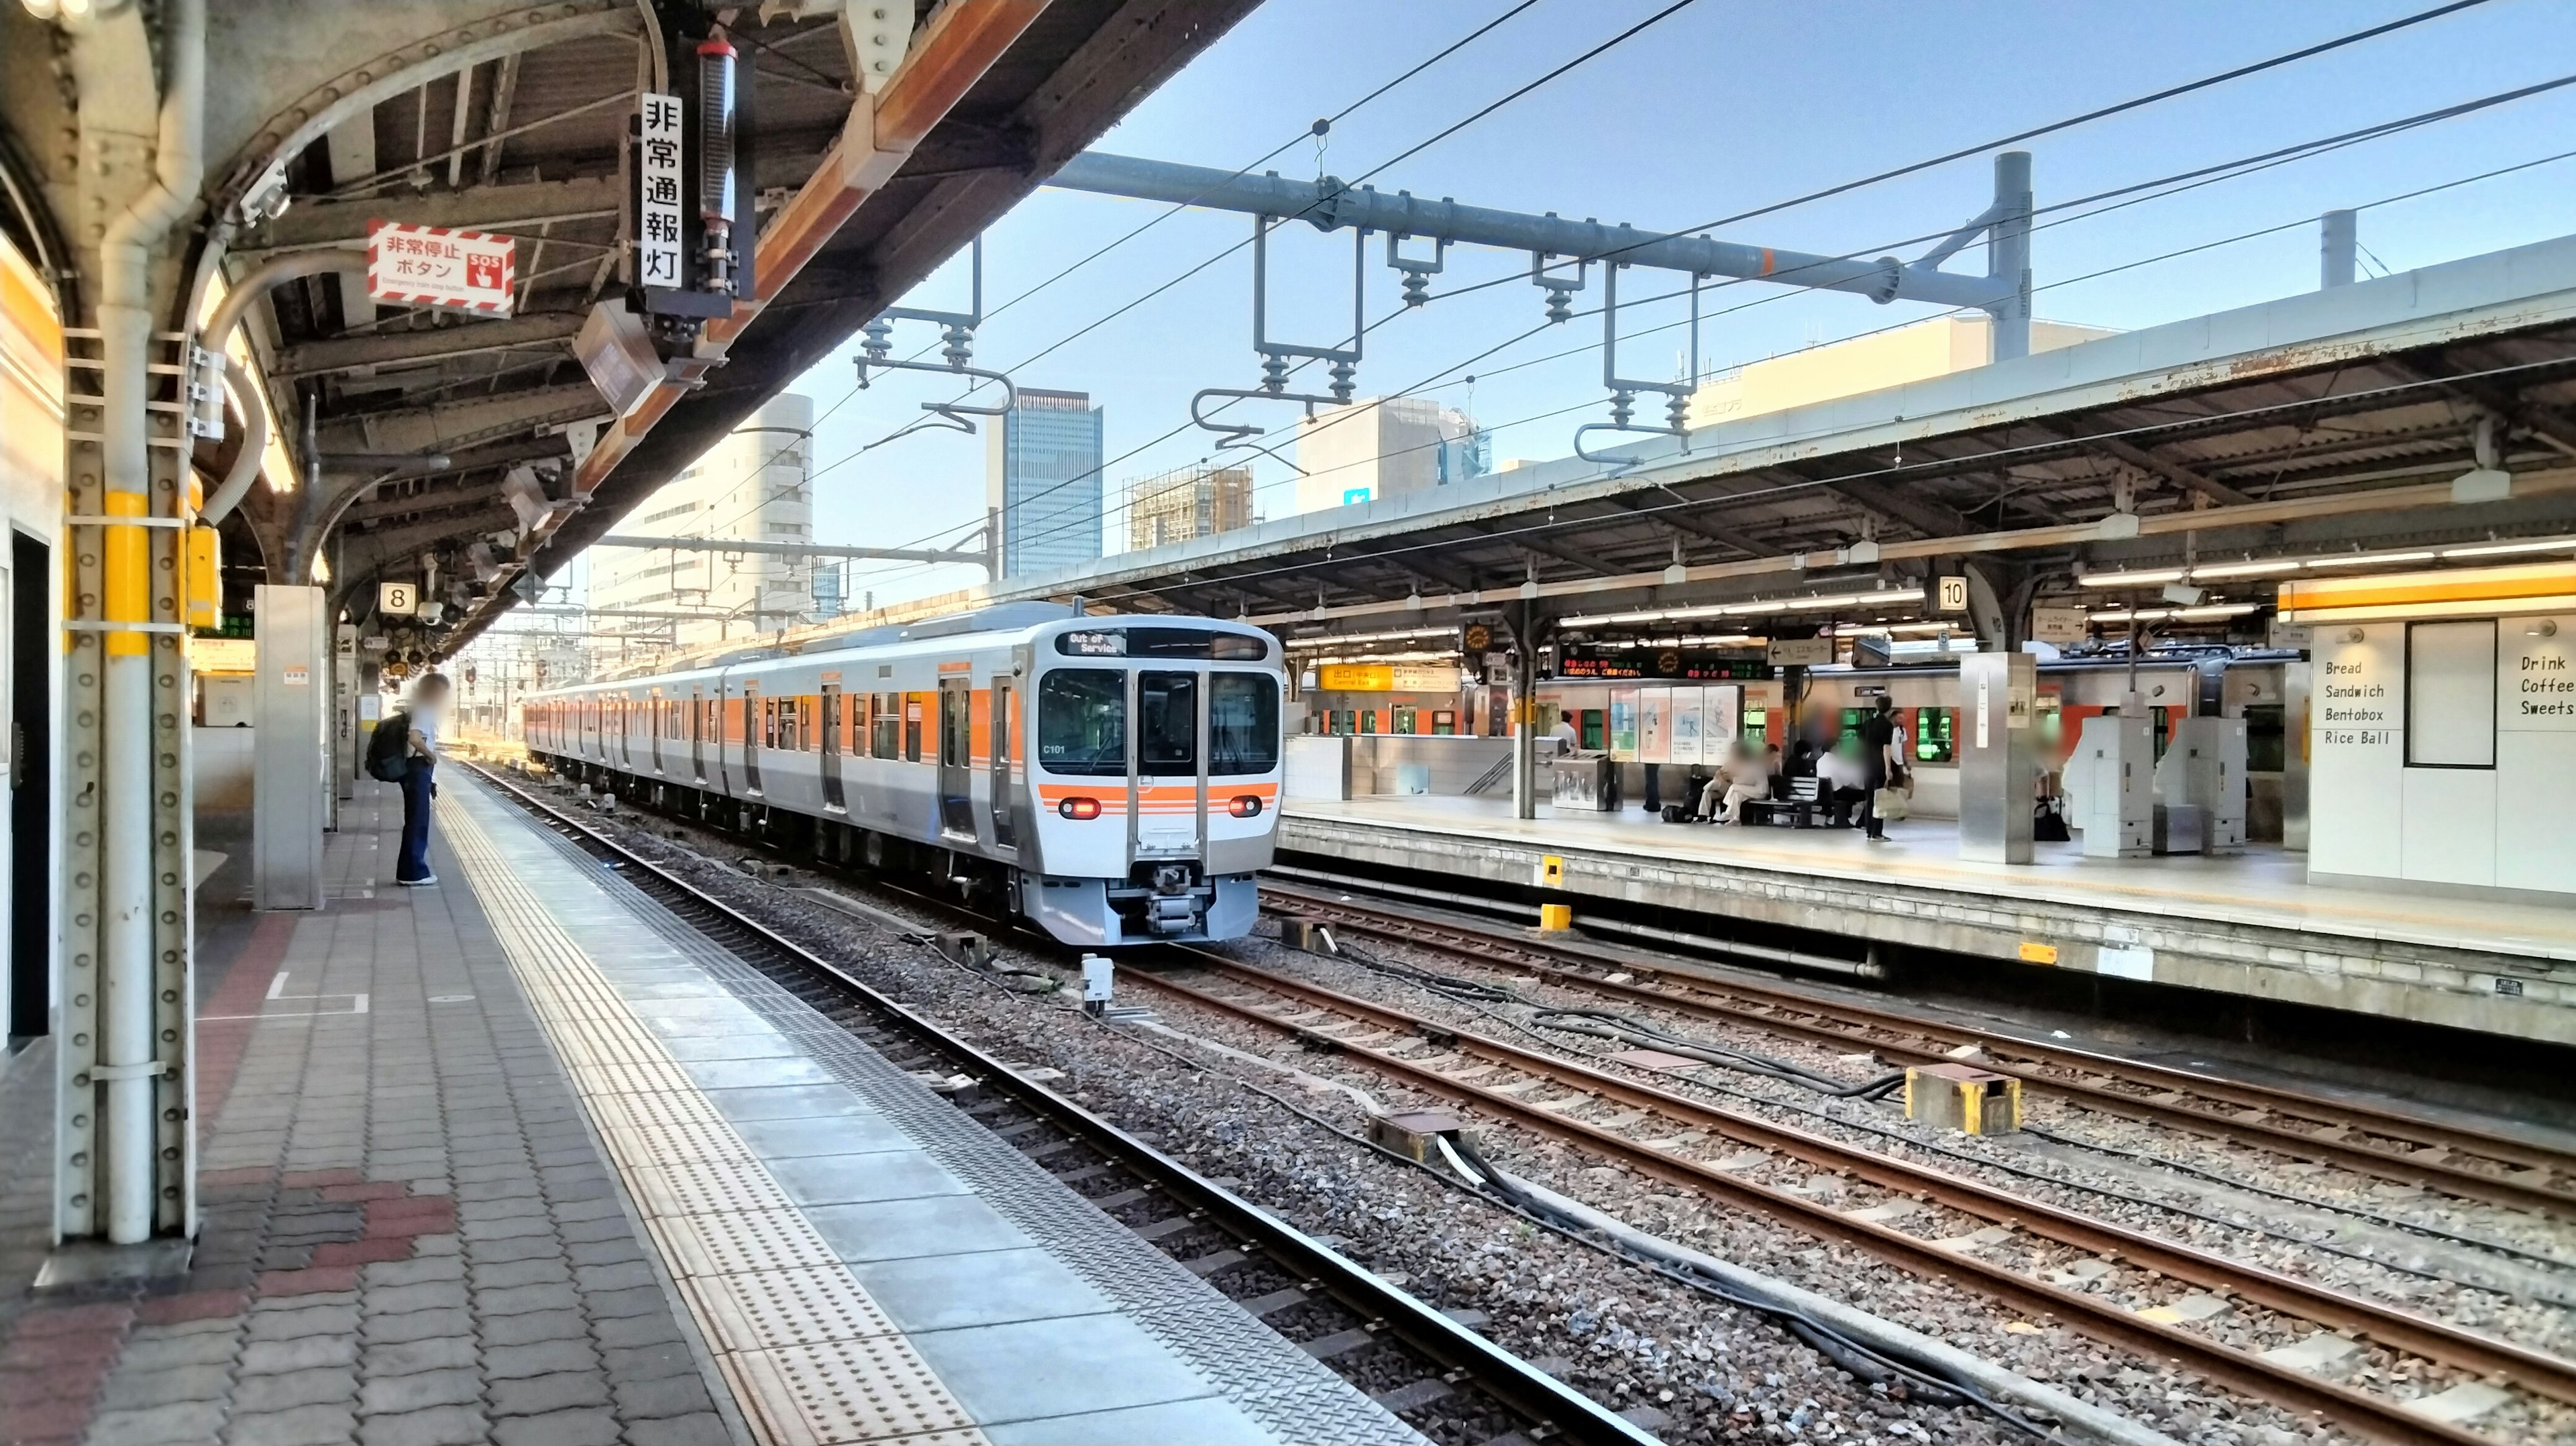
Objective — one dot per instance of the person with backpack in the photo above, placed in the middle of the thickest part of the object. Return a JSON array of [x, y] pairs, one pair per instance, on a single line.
[[404, 751]]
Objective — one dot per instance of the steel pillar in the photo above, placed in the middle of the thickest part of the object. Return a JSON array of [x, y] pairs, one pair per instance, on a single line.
[[1525, 717], [124, 1141], [2008, 256], [2338, 239]]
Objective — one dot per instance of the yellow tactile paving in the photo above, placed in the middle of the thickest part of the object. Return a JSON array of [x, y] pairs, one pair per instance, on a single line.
[[812, 1360]]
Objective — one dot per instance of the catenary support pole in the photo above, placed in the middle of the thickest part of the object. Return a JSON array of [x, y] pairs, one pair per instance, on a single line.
[[2008, 255], [1525, 715], [2338, 239]]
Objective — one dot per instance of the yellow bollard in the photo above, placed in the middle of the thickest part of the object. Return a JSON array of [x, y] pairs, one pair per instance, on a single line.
[[1555, 918]]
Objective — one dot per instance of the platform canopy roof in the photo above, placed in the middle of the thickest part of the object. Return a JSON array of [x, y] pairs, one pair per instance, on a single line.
[[507, 117], [2335, 421]]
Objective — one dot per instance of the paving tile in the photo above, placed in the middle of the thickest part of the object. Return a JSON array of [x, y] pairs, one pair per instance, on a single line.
[[302, 1353], [436, 1426], [319, 1386], [892, 1229], [537, 1358], [403, 1358], [536, 1325], [940, 1292], [701, 1428], [567, 1390], [182, 1423], [419, 1325], [880, 1175], [1026, 1369], [321, 1425], [581, 1427]]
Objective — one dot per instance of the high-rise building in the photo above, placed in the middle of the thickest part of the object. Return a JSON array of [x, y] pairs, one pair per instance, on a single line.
[[753, 485], [1190, 502], [1042, 481], [1385, 447]]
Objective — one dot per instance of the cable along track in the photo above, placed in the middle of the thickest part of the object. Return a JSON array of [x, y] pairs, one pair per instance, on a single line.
[[2454, 1160], [1268, 1266], [1611, 1117]]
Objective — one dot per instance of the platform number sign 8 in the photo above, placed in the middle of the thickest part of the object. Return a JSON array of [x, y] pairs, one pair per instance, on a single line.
[[1954, 595], [397, 599]]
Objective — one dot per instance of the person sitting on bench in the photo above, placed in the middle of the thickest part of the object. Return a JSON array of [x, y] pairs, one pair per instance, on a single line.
[[1747, 776], [1844, 781]]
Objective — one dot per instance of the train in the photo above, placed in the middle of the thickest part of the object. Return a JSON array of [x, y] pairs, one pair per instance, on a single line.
[[1113, 780]]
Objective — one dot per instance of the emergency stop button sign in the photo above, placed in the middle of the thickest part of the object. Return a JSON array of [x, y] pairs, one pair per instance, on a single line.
[[433, 266]]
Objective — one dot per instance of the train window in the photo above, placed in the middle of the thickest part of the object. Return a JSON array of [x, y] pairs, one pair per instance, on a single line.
[[1167, 733], [1935, 736], [1243, 724], [1082, 722], [885, 725], [911, 728], [2266, 738]]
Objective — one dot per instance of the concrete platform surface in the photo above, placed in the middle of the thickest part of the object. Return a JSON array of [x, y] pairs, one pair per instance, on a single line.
[[521, 1159], [2250, 923]]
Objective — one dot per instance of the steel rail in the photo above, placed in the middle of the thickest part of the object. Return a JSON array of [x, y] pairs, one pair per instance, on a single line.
[[2052, 1067], [2376, 1417], [1560, 1410]]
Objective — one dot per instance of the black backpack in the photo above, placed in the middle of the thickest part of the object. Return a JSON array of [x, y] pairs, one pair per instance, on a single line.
[[389, 749]]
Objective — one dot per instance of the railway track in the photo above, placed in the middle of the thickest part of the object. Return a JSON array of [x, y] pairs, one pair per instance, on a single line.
[[2026, 1252], [1357, 1323], [2454, 1160]]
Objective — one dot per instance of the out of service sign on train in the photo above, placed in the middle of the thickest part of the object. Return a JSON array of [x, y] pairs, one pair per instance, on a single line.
[[433, 266]]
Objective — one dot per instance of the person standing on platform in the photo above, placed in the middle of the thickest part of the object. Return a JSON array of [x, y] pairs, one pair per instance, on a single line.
[[1878, 764], [419, 788]]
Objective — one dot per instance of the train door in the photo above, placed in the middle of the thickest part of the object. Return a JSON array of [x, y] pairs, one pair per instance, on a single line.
[[698, 734], [1003, 833], [832, 749], [956, 757], [653, 711], [1168, 746], [751, 721]]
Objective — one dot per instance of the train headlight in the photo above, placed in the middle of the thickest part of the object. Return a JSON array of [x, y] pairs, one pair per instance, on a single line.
[[1245, 806], [1079, 808]]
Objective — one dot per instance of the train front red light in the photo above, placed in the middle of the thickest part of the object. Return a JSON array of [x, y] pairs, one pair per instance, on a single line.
[[1246, 806], [1079, 808]]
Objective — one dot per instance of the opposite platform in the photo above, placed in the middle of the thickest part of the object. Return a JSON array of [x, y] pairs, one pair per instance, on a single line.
[[2249, 924]]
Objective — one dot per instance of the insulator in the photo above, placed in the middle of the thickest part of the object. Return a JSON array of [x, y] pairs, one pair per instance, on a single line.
[[715, 129]]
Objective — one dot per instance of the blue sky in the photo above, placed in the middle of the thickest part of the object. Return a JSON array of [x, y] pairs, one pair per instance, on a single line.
[[1721, 108]]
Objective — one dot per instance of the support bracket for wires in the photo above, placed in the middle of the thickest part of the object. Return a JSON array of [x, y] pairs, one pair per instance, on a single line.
[[957, 352], [1624, 390]]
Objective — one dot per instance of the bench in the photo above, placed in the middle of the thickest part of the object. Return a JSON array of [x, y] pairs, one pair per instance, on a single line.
[[1800, 801]]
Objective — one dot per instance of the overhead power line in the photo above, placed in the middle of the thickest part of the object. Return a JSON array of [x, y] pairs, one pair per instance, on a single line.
[[2097, 113]]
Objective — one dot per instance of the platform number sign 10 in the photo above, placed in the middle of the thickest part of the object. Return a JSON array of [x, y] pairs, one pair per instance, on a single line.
[[1953, 596], [658, 233], [397, 599]]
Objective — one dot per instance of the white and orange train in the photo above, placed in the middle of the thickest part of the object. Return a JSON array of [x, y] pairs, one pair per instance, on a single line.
[[1114, 780]]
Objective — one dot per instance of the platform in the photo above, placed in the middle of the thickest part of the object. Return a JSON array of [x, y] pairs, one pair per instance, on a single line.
[[2250, 924], [520, 1158]]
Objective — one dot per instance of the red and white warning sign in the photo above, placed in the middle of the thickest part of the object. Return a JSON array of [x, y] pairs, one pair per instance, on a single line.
[[432, 266]]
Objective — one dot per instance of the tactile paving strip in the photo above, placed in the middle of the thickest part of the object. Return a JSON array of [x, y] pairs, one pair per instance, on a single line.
[[811, 1358], [1269, 1379]]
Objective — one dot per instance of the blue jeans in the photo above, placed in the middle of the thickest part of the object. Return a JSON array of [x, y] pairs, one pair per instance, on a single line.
[[414, 863]]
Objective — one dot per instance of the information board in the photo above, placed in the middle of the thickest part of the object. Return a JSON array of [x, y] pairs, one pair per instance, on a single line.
[[434, 266]]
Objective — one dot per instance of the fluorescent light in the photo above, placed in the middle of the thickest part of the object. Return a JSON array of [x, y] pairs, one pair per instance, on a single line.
[[2219, 571], [2204, 613], [2507, 549], [2152, 577], [2368, 559]]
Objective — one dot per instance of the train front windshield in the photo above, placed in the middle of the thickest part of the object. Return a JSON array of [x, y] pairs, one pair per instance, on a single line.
[[1082, 723]]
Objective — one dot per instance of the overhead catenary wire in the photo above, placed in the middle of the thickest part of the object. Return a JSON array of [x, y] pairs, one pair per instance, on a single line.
[[2096, 113], [2269, 157], [1382, 89]]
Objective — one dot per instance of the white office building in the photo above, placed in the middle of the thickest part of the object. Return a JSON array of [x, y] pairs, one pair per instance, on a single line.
[[754, 485], [1385, 447]]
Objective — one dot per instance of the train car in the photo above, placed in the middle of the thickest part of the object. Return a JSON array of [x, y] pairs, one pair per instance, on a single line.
[[1114, 780]]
